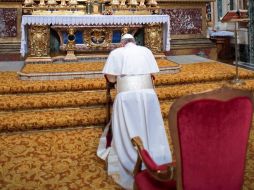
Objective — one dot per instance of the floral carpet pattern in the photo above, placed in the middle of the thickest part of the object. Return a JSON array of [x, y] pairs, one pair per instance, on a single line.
[[190, 73], [57, 160], [27, 105], [49, 119], [69, 67], [43, 142], [60, 160]]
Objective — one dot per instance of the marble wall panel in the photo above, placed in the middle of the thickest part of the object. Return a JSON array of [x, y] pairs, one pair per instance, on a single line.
[[184, 21], [8, 22]]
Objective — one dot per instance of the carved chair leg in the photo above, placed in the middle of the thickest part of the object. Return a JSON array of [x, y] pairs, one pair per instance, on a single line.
[[135, 186]]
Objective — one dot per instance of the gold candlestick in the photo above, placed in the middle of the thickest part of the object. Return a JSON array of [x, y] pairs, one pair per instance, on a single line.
[[42, 3], [122, 4], [73, 2], [28, 2], [52, 2], [142, 3], [115, 2], [152, 3], [133, 2], [63, 3]]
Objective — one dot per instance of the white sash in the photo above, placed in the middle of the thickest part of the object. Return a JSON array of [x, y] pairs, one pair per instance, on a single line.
[[134, 82]]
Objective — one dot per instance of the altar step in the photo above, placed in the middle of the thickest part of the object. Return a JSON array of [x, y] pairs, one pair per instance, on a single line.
[[75, 109], [36, 105], [72, 99], [46, 119], [51, 111], [10, 47], [78, 70]]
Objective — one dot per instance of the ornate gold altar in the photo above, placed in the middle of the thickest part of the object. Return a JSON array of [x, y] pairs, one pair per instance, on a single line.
[[188, 21], [72, 29]]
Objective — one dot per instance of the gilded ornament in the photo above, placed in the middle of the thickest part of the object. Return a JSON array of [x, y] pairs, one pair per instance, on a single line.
[[114, 2], [70, 46], [28, 2], [63, 3], [97, 37], [52, 2], [73, 2], [153, 37], [125, 30], [152, 3], [142, 3], [132, 3], [39, 41], [42, 3], [122, 3]]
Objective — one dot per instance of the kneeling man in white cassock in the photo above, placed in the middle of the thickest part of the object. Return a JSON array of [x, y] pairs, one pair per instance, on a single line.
[[136, 111]]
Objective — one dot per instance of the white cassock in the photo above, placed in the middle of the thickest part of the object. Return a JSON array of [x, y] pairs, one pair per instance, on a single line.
[[136, 112]]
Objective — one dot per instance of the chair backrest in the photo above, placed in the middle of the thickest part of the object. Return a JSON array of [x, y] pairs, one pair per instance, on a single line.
[[210, 135]]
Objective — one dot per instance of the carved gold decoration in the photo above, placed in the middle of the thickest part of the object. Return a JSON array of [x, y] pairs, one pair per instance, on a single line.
[[142, 3], [42, 3], [133, 12], [63, 3], [28, 2], [153, 37], [70, 46], [132, 3], [39, 43], [122, 4], [152, 3], [96, 8], [115, 3], [40, 12], [125, 30], [73, 2], [80, 7], [98, 37], [95, 39], [52, 2]]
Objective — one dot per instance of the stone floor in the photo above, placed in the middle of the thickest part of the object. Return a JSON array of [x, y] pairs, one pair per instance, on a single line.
[[11, 65], [182, 59], [187, 59]]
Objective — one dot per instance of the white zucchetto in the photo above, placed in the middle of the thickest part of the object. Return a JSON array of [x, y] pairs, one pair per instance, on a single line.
[[127, 36]]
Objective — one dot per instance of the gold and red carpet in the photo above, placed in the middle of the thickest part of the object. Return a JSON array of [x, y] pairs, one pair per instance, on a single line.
[[57, 160], [63, 154]]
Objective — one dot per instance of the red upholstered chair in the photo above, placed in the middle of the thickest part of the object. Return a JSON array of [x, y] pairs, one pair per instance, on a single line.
[[210, 134]]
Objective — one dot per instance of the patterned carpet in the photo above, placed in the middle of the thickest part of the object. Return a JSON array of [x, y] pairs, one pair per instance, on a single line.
[[63, 160], [88, 66], [57, 160], [66, 159]]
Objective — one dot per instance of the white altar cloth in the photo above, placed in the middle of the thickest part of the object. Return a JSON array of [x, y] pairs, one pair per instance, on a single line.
[[93, 20]]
